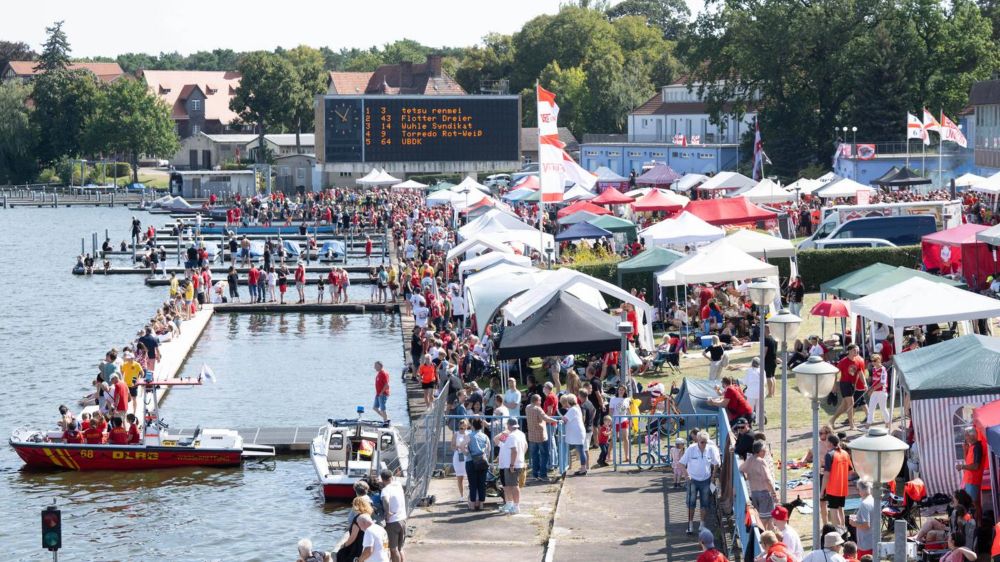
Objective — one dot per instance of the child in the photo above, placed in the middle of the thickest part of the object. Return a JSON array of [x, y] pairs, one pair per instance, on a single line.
[[850, 551], [320, 288], [676, 452], [603, 437], [133, 430]]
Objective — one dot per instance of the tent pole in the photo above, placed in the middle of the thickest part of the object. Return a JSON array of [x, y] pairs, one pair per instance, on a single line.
[[898, 341]]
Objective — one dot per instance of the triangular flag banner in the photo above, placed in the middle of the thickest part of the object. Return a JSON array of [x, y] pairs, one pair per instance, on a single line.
[[550, 148]]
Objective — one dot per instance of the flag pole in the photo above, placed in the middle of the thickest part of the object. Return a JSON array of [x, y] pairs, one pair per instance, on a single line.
[[907, 140], [940, 152]]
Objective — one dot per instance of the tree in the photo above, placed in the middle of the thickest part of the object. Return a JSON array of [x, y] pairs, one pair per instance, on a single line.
[[132, 62], [17, 134], [668, 16], [363, 61], [64, 100], [862, 60], [494, 60], [267, 93], [15, 50], [129, 120], [55, 50], [308, 65], [572, 96]]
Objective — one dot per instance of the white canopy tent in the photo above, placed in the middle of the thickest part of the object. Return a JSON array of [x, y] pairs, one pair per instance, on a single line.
[[766, 191], [689, 181], [369, 178], [715, 263], [377, 177], [486, 261], [727, 180], [844, 187], [476, 245], [410, 184], [385, 178], [758, 244], [804, 186], [522, 307], [968, 180], [469, 184], [990, 185], [457, 201], [488, 290], [916, 302], [494, 220], [828, 177], [577, 193], [684, 229]]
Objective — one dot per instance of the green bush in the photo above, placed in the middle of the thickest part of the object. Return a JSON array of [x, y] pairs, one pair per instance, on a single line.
[[48, 175], [820, 266]]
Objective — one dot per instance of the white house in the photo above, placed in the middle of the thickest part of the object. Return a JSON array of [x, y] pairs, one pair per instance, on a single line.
[[676, 110]]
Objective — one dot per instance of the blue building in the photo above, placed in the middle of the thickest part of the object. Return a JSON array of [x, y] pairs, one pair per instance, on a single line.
[[626, 157], [953, 162]]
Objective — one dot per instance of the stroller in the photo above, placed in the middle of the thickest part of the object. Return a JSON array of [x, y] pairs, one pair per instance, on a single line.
[[493, 487]]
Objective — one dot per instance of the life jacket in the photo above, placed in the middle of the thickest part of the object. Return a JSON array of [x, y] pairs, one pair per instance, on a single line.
[[118, 436], [974, 477], [94, 435], [72, 436], [995, 549]]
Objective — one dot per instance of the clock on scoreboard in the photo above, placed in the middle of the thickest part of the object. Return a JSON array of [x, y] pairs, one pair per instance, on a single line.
[[421, 128]]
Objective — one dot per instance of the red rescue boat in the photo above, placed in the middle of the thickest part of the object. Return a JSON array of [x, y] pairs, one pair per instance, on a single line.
[[206, 447]]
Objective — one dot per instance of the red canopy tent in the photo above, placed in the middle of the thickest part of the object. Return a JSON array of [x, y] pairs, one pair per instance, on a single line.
[[732, 211], [656, 200], [612, 196], [582, 206], [956, 251], [529, 182]]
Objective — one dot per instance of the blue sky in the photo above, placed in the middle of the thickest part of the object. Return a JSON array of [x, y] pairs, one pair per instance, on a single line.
[[112, 27]]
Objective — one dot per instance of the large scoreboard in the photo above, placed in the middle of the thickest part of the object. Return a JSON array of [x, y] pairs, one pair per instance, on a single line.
[[421, 128]]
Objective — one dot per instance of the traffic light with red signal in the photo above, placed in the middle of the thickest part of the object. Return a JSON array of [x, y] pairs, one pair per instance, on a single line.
[[51, 528]]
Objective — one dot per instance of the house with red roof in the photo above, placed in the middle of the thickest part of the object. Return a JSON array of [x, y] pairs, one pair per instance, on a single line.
[[406, 78], [25, 70], [198, 99]]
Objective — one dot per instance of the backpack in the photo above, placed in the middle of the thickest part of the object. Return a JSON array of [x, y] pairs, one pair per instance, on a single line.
[[315, 556]]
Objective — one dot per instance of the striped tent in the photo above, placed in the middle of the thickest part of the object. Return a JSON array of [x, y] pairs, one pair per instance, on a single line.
[[946, 382]]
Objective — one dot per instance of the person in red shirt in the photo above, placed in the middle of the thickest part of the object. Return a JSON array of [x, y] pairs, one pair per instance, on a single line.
[[94, 435], [852, 367], [121, 394], [118, 434], [709, 552], [731, 398], [300, 282], [253, 277], [73, 433], [368, 249], [134, 437], [381, 390], [773, 546], [838, 467]]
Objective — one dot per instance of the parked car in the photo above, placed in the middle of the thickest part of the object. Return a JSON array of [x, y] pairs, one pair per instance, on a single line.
[[853, 243], [901, 230]]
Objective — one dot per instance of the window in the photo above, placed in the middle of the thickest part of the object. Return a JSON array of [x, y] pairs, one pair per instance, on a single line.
[[195, 105], [283, 171], [195, 129], [345, 174], [961, 418], [645, 123], [657, 154], [300, 174]]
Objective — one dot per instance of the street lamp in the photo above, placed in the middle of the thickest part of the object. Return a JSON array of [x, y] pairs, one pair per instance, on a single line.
[[761, 293], [815, 379], [785, 326], [873, 455]]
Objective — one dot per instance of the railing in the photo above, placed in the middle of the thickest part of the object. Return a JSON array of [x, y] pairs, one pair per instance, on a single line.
[[609, 138], [741, 492], [647, 439], [494, 425], [896, 148]]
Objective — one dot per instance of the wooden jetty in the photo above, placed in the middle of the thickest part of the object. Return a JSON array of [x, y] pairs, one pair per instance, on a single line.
[[223, 271], [311, 308], [243, 282]]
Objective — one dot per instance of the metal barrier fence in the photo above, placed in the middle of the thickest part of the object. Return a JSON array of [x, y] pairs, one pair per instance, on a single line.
[[420, 439], [444, 453], [646, 439], [741, 492]]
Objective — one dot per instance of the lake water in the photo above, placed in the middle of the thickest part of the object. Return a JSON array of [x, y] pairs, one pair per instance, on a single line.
[[275, 370]]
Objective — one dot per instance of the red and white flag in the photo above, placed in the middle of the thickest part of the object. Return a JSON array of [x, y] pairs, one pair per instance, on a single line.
[[550, 149], [951, 132], [915, 129], [930, 123], [680, 140], [759, 158], [576, 173], [695, 140]]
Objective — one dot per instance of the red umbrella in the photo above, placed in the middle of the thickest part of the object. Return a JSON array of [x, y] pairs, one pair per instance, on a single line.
[[611, 196], [834, 308]]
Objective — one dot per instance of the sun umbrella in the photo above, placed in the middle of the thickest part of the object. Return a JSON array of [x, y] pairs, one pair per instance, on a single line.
[[834, 308]]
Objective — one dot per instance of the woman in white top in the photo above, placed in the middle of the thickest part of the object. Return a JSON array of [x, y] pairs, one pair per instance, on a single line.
[[575, 432], [619, 409], [460, 444], [512, 398]]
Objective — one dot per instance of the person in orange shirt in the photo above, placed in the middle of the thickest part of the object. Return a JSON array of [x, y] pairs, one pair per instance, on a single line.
[[428, 379], [118, 434], [838, 467], [94, 434], [73, 433], [134, 438], [973, 466]]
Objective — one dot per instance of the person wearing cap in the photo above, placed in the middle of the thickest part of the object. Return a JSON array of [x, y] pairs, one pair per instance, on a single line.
[[513, 445], [832, 546], [700, 460], [789, 536], [708, 551], [131, 371], [744, 439]]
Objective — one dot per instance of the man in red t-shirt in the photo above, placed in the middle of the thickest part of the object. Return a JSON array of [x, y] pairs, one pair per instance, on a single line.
[[731, 398], [381, 390], [852, 367], [709, 552]]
